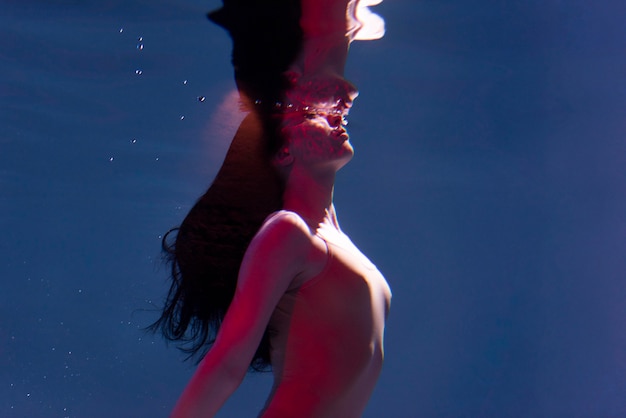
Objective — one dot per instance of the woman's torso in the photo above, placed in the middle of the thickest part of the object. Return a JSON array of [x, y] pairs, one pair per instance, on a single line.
[[327, 336]]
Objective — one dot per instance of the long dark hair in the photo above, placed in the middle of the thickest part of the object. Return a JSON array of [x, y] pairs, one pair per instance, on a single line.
[[209, 245], [206, 250]]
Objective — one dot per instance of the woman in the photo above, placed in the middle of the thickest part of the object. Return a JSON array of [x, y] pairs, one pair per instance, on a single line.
[[306, 301]]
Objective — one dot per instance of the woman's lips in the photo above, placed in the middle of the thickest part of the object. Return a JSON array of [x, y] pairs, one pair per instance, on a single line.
[[341, 134]]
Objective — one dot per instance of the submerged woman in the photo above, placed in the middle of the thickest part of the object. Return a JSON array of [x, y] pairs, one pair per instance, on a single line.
[[263, 274]]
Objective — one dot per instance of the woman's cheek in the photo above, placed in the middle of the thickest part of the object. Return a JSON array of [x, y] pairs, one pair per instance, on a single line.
[[310, 139], [317, 142]]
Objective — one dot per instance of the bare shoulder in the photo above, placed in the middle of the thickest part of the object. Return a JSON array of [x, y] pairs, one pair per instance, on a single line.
[[284, 234], [282, 246], [286, 222]]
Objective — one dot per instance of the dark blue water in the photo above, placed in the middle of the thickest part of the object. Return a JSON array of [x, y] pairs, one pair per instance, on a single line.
[[488, 186]]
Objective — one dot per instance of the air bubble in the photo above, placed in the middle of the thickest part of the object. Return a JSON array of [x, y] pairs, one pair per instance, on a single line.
[[185, 82], [201, 98], [121, 30], [140, 39], [182, 118], [133, 141], [111, 159], [138, 72], [140, 47]]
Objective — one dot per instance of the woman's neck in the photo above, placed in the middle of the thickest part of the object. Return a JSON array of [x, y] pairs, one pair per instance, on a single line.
[[311, 198]]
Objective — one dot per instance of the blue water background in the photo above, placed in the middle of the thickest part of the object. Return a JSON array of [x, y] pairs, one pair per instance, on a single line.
[[488, 186]]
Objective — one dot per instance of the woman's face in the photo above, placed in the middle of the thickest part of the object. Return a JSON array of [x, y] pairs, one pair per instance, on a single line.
[[317, 138], [314, 120]]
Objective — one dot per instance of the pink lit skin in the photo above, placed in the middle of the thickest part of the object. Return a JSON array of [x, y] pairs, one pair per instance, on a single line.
[[317, 140], [329, 364], [319, 134]]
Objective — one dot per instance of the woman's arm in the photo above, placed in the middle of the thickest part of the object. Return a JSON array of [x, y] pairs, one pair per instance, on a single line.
[[276, 255]]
